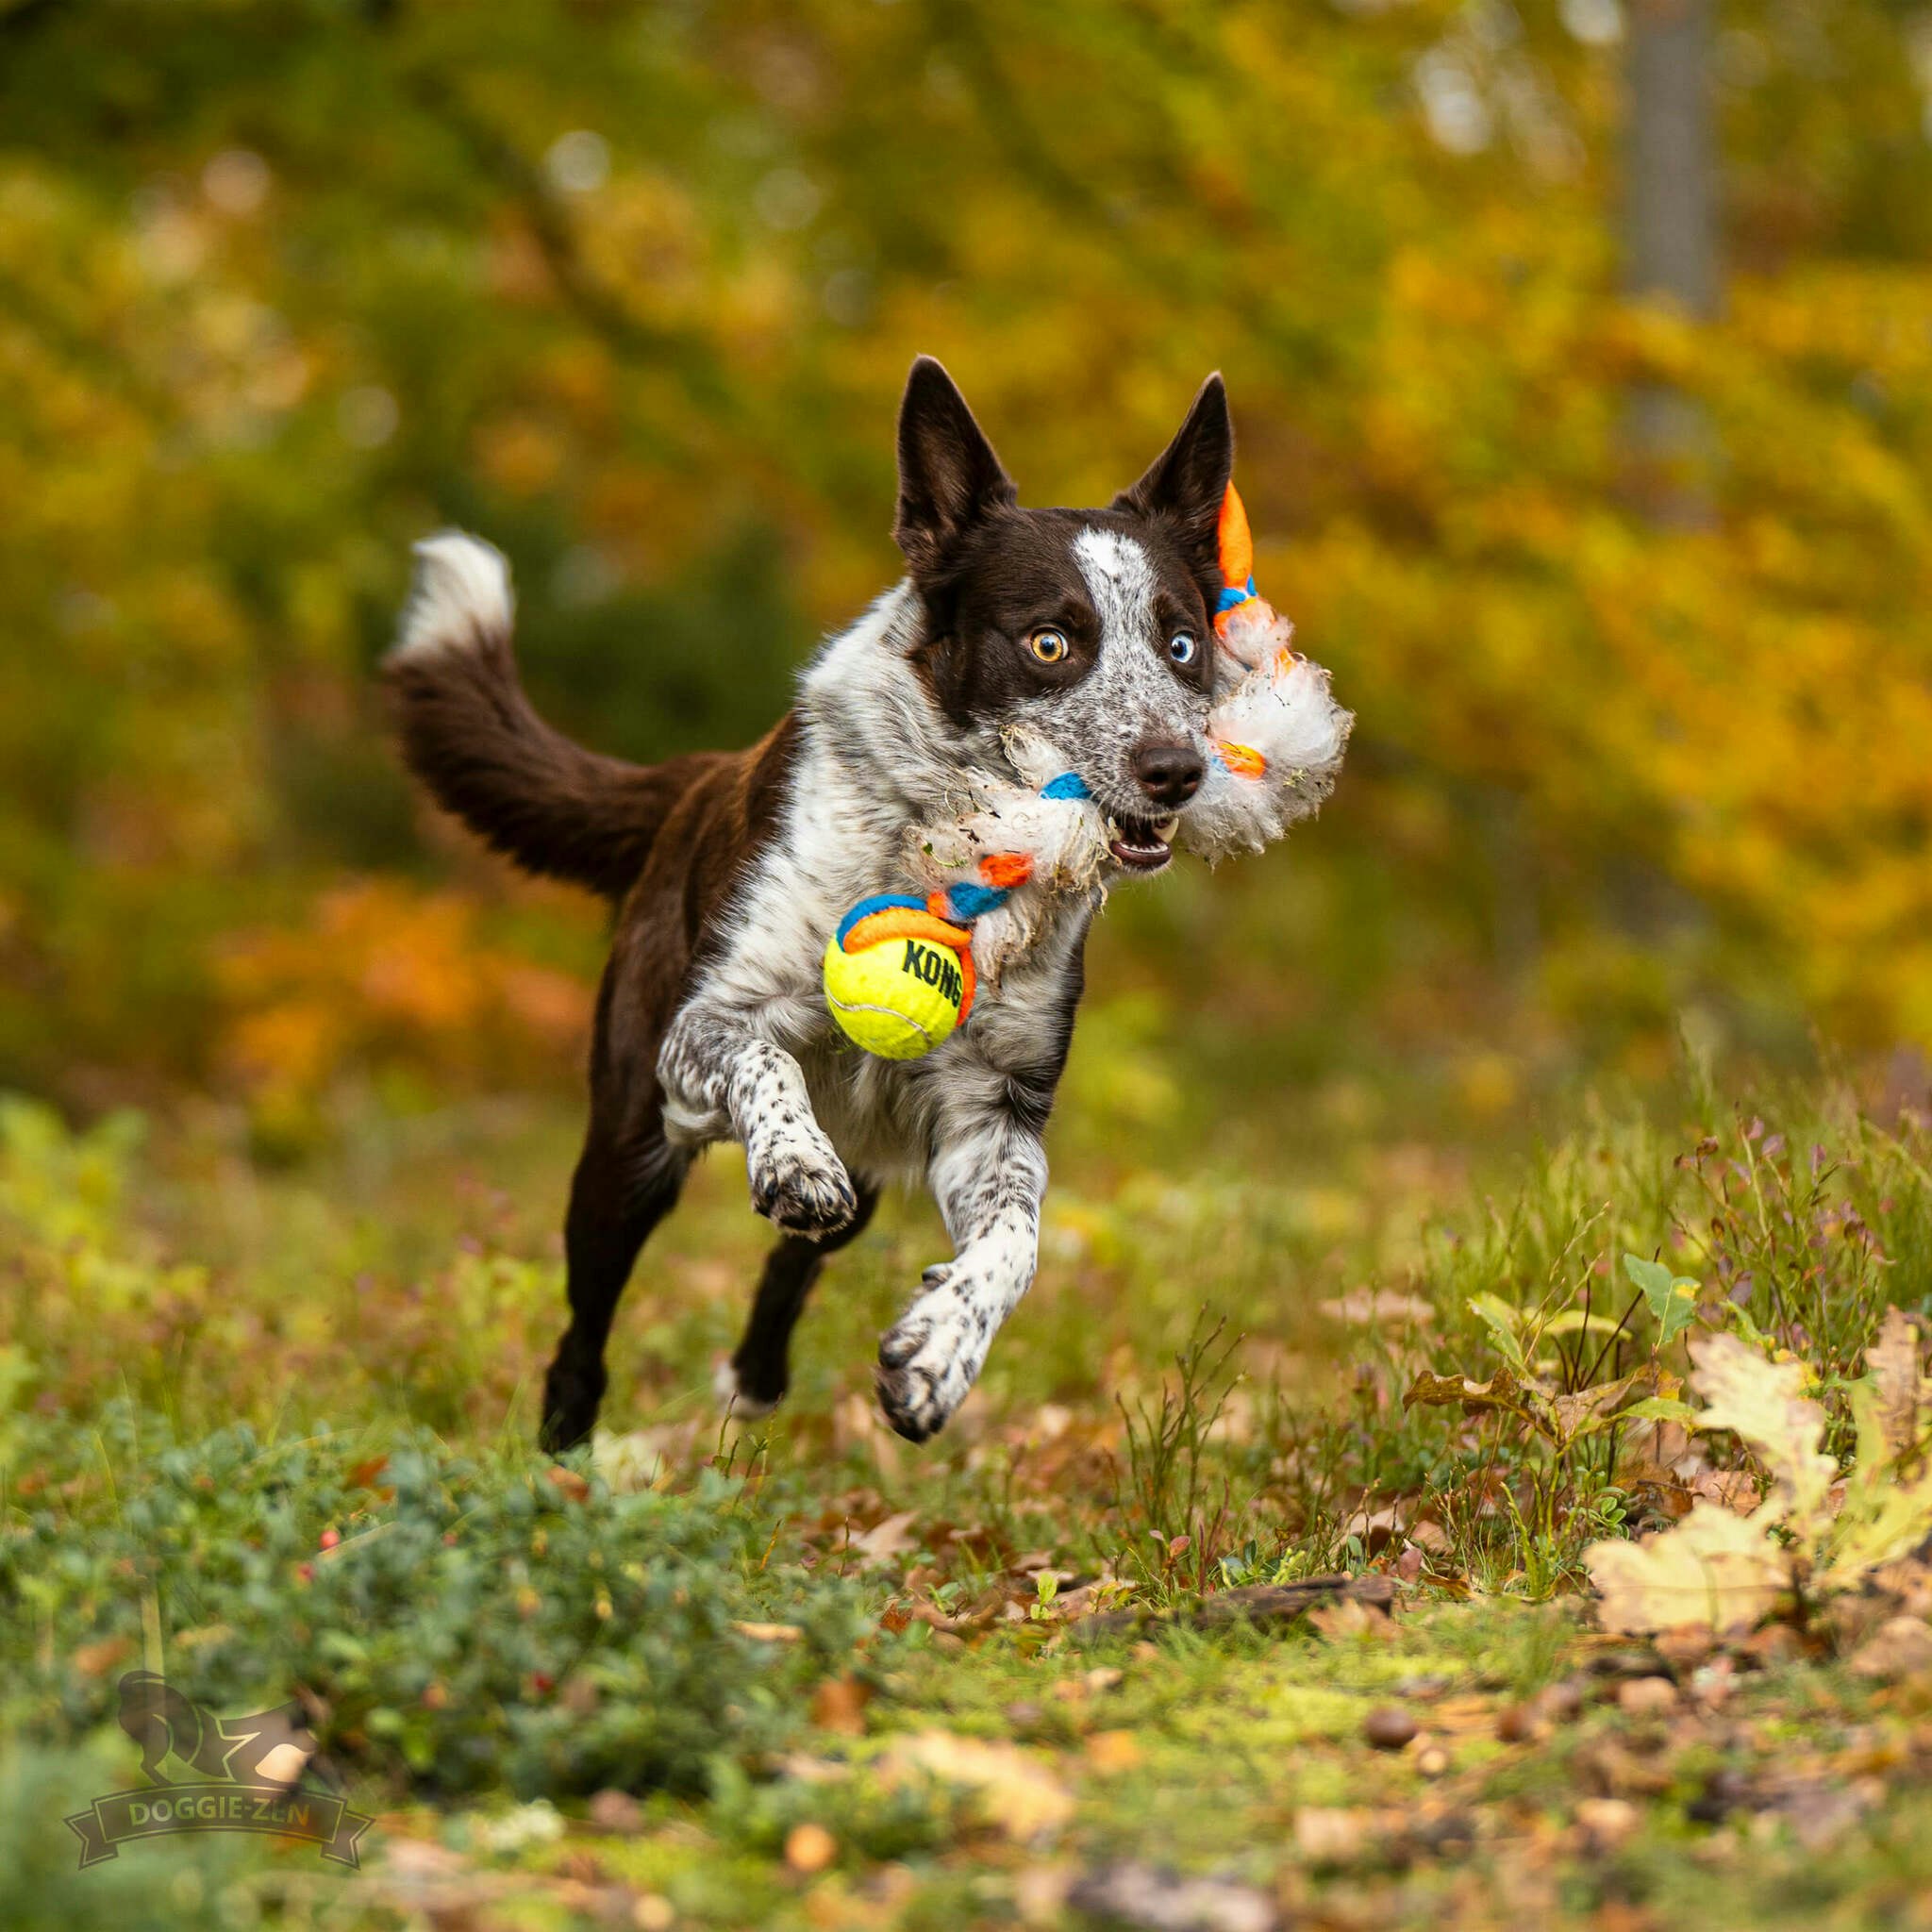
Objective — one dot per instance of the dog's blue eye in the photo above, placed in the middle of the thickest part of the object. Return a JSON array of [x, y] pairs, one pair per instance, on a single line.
[[1181, 648]]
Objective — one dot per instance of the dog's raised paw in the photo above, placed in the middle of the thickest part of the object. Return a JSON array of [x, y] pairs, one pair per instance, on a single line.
[[911, 1402], [798, 1183], [927, 1362]]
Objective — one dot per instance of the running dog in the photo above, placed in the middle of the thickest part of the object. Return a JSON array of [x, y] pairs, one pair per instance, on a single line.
[[1089, 628]]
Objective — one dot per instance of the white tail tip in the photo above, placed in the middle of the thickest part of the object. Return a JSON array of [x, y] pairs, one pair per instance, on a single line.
[[460, 595]]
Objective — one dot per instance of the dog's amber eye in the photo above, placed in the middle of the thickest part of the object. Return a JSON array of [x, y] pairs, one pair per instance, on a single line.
[[1049, 646], [1181, 648]]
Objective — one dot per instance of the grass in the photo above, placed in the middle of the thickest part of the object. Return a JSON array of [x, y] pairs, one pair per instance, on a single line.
[[268, 1429]]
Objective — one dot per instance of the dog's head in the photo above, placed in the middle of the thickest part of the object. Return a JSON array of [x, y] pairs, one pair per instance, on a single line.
[[1094, 627]]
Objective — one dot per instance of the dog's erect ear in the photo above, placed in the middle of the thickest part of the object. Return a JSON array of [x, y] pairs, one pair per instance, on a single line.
[[949, 478], [1187, 480]]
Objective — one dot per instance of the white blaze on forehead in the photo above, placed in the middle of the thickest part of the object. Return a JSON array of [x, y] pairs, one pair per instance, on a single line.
[[1120, 579], [1133, 690], [1132, 695]]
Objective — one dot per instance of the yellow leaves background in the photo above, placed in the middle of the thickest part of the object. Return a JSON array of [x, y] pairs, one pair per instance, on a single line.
[[631, 290]]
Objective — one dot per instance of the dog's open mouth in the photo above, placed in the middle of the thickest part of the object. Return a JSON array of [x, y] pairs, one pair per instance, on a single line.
[[1141, 844]]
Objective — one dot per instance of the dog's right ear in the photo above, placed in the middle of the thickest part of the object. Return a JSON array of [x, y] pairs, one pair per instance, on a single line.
[[1186, 482], [949, 478]]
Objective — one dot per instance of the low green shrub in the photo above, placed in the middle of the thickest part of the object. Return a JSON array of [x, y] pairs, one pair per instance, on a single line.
[[456, 1622]]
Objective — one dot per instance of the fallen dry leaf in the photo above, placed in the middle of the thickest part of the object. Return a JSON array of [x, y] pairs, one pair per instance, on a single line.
[[1015, 1793], [1765, 1404], [890, 1537], [1732, 1489], [1723, 1571], [1462, 1716], [1504, 1390], [767, 1633], [857, 1422], [567, 1483], [1575, 1412], [1350, 1618], [1712, 1569], [1908, 1582], [1900, 1647], [1820, 1811], [839, 1705], [1893, 1364]]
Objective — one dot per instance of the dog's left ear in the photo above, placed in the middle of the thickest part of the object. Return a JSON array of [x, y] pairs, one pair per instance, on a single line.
[[1186, 482]]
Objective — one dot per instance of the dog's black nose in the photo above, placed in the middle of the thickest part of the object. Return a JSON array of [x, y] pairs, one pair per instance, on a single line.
[[1170, 774]]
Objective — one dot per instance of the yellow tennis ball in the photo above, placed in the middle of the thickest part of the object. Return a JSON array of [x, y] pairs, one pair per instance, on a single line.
[[898, 998]]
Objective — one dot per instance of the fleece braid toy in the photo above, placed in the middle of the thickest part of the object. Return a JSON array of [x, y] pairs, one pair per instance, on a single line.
[[901, 969]]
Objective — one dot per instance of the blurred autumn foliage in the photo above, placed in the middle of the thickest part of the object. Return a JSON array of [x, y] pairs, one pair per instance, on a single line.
[[630, 288], [383, 976]]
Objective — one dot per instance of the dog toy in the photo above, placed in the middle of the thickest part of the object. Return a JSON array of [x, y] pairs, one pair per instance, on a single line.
[[901, 970]]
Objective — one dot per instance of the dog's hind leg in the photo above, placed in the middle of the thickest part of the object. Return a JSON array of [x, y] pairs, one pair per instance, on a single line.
[[627, 1179], [754, 1381]]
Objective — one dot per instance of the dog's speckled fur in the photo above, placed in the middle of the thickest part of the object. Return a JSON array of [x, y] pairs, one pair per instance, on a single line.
[[731, 869]]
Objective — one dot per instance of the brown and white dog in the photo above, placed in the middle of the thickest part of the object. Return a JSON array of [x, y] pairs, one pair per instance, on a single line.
[[730, 868]]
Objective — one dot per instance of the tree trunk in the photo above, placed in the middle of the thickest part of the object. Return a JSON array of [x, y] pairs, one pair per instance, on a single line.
[[1671, 183], [1671, 238]]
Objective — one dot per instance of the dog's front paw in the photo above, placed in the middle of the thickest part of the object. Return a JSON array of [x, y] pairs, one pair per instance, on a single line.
[[798, 1181], [928, 1361]]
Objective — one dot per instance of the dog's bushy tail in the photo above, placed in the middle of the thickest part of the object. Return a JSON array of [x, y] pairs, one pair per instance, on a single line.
[[469, 733]]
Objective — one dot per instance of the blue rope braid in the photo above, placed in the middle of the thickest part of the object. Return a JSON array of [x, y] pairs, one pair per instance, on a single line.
[[1235, 594], [968, 899], [1068, 785]]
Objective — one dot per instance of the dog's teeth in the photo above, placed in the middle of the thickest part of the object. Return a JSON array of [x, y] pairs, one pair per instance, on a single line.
[[1165, 829]]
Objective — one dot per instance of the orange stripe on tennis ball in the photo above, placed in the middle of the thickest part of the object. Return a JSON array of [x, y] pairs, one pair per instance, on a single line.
[[1244, 760], [905, 923], [1237, 541]]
